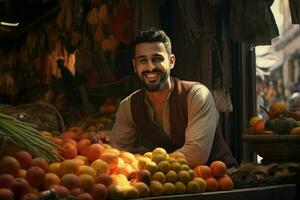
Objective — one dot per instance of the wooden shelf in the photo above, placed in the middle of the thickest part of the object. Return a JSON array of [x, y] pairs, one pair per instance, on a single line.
[[277, 192]]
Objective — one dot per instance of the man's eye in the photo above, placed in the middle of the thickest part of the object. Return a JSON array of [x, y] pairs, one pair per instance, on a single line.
[[157, 59], [143, 61]]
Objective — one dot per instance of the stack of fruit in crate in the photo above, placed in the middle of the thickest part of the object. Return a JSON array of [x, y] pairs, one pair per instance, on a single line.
[[280, 120]]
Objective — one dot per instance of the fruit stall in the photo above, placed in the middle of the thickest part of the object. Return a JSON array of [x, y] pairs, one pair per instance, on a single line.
[[55, 140], [41, 165]]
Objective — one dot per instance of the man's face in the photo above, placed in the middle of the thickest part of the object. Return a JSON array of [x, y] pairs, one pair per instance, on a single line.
[[152, 64]]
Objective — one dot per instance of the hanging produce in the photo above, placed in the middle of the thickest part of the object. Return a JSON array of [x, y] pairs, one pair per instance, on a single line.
[[64, 18], [122, 25], [102, 13], [92, 17], [109, 44]]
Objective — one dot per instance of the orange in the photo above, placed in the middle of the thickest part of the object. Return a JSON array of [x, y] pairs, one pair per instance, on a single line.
[[276, 109], [253, 120], [202, 171], [57, 141], [70, 140], [70, 134], [84, 135], [70, 150], [94, 152], [295, 131], [218, 169], [177, 154], [259, 126], [225, 183], [212, 184], [51, 179], [82, 145]]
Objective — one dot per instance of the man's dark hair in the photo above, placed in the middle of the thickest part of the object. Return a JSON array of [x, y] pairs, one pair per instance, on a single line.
[[152, 35]]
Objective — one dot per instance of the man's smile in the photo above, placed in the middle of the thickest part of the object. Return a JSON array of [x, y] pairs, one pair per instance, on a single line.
[[151, 76]]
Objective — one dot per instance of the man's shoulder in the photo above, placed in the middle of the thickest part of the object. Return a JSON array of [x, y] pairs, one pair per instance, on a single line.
[[199, 89], [183, 81], [195, 85]]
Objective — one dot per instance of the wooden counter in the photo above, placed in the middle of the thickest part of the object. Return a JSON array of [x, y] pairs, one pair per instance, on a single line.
[[277, 192]]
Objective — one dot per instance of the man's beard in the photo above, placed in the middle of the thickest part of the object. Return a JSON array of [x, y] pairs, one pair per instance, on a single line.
[[153, 87]]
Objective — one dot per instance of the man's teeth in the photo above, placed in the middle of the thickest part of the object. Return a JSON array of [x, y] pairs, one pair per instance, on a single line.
[[151, 75]]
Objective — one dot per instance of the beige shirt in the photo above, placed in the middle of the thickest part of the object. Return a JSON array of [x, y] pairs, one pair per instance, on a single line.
[[203, 118]]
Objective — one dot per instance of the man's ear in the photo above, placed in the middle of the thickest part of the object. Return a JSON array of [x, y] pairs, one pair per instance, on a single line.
[[172, 61], [133, 63]]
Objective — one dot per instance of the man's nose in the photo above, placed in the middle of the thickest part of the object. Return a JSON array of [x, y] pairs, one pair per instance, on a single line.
[[150, 64]]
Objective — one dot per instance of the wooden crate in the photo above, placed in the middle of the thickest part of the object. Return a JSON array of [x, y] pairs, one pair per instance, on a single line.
[[274, 148]]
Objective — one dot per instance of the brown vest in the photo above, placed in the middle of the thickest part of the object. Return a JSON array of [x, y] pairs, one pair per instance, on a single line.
[[151, 135]]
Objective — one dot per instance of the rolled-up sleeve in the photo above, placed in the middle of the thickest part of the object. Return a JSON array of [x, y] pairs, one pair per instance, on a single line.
[[123, 132], [203, 118]]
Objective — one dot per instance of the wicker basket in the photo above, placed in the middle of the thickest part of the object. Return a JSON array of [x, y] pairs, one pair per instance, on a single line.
[[42, 116], [275, 148]]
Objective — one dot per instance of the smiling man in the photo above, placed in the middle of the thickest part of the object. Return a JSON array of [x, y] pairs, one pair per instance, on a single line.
[[167, 112]]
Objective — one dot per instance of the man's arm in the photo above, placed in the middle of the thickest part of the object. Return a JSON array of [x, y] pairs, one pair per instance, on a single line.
[[203, 118], [123, 132]]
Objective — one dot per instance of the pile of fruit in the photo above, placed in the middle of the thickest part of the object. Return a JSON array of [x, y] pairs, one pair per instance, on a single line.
[[281, 121], [100, 171], [101, 120]]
